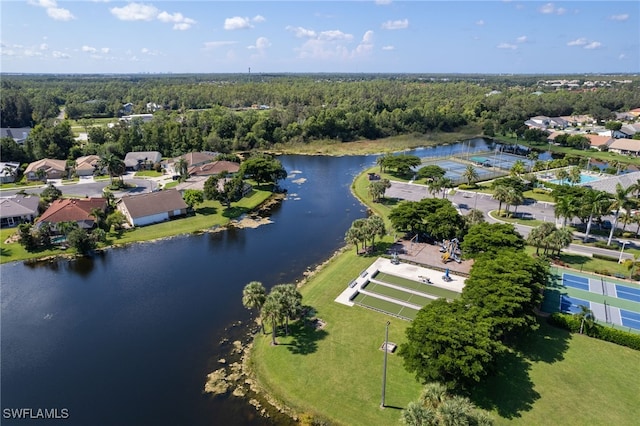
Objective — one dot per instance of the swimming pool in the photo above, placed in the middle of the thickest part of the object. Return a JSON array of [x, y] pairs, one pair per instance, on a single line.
[[583, 179]]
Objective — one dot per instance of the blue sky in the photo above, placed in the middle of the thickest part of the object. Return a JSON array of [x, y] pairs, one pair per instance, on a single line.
[[522, 37]]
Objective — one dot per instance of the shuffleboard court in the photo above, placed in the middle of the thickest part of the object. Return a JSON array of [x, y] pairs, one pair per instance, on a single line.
[[630, 319], [572, 304], [575, 281], [629, 293], [417, 286], [384, 306], [396, 294]]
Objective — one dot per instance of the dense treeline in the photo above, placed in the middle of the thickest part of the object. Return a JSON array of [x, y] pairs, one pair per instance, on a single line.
[[210, 111]]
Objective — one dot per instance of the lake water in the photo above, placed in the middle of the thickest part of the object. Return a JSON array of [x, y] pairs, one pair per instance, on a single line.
[[128, 336]]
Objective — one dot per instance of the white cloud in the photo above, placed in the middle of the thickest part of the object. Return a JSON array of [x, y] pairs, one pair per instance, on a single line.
[[621, 17], [209, 45], [522, 39], [88, 49], [56, 13], [105, 50], [60, 55], [237, 23], [389, 47], [577, 42], [593, 45], [366, 45], [333, 35], [301, 32], [44, 46], [261, 44], [180, 22], [399, 24], [622, 56], [507, 46], [32, 53], [551, 9], [135, 12], [258, 18], [480, 22]]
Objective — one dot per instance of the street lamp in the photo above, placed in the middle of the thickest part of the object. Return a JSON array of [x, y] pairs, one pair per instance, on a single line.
[[384, 368], [624, 243]]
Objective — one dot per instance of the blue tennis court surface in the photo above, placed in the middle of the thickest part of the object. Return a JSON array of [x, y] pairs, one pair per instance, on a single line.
[[629, 293], [575, 281], [572, 304], [630, 319]]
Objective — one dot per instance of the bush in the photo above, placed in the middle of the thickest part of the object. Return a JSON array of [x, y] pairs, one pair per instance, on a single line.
[[605, 257], [467, 186], [608, 334], [628, 234], [540, 191], [603, 272]]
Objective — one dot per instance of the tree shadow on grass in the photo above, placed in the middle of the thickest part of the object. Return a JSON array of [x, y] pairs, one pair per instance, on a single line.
[[305, 337], [206, 211], [510, 391], [5, 251], [574, 259], [234, 212]]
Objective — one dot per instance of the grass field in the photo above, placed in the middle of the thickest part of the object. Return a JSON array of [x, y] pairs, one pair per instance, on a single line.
[[385, 306], [555, 377], [413, 285]]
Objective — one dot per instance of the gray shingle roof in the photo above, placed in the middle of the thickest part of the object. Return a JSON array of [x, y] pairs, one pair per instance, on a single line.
[[152, 203]]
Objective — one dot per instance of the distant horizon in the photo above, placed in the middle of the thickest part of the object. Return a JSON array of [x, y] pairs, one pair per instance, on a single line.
[[508, 37]]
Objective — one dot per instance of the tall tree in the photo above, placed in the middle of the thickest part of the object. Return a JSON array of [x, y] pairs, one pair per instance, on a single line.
[[621, 200], [272, 311], [470, 174], [182, 168], [113, 165], [253, 297], [596, 203]]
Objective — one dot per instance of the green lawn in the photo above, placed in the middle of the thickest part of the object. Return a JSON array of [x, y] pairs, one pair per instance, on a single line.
[[384, 305], [397, 294], [556, 378]]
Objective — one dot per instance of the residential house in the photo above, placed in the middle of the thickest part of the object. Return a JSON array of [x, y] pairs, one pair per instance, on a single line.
[[18, 209], [214, 168], [625, 147], [152, 207], [53, 169], [578, 120], [87, 165], [19, 134], [127, 108], [599, 142], [9, 172], [543, 122], [197, 183], [629, 130], [635, 112], [193, 159], [140, 160], [145, 118], [153, 107], [73, 210]]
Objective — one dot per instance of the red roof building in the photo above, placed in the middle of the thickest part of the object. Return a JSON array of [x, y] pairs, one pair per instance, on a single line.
[[73, 210]]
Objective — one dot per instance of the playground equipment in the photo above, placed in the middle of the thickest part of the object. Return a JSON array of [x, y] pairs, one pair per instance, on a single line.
[[446, 276], [451, 250]]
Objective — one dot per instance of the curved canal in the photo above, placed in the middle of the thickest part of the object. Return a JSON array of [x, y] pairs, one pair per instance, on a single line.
[[128, 336]]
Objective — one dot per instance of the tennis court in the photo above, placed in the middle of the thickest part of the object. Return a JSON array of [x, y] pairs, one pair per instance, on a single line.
[[575, 281], [385, 306], [455, 169], [629, 293], [506, 161], [571, 305], [630, 319]]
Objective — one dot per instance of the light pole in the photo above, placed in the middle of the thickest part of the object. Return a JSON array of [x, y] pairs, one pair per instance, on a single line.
[[384, 368], [624, 243]]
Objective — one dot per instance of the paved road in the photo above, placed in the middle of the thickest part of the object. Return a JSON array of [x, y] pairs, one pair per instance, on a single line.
[[468, 200], [90, 188]]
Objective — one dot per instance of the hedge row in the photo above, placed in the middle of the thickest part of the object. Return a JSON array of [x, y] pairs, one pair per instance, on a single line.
[[605, 257], [597, 331]]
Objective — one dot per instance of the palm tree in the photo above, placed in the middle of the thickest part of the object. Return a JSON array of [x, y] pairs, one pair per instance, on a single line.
[[560, 238], [353, 237], [470, 174], [515, 197], [632, 264], [596, 202], [574, 175], [253, 297], [474, 217], [565, 208], [518, 168], [271, 311], [99, 215], [114, 166], [290, 301], [586, 317], [41, 175], [626, 218], [434, 186], [376, 228], [561, 175], [500, 193], [621, 200], [182, 168], [446, 183], [538, 236]]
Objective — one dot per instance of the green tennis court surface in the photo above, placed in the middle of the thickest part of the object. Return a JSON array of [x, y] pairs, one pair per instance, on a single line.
[[415, 285], [385, 306]]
